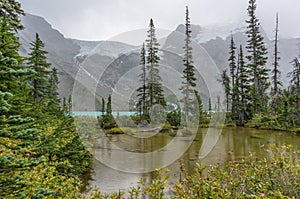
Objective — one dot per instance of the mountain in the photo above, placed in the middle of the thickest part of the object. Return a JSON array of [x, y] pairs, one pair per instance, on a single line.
[[91, 70], [61, 51]]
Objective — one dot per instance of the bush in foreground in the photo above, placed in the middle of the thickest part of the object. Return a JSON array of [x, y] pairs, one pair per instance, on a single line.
[[275, 176]]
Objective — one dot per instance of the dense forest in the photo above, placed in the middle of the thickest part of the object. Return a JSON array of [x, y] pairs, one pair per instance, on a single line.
[[255, 95], [42, 155]]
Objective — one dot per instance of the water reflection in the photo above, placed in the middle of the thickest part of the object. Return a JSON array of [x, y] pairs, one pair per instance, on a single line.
[[233, 144]]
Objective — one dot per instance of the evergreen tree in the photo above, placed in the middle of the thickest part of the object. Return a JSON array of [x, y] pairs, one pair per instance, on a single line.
[[70, 104], [257, 58], [12, 10], [65, 106], [9, 42], [189, 79], [295, 75], [295, 87], [37, 61], [276, 72], [141, 102], [232, 67], [209, 105], [108, 106], [54, 99], [103, 106], [9, 46], [243, 89], [225, 80], [154, 91]]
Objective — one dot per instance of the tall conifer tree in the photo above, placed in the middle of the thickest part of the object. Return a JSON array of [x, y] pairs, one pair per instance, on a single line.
[[243, 88], [189, 79], [37, 61], [141, 102], [12, 10], [276, 72], [225, 80], [233, 70], [257, 59], [154, 90]]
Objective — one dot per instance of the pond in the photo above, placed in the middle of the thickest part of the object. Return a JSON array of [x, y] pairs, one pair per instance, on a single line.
[[122, 160]]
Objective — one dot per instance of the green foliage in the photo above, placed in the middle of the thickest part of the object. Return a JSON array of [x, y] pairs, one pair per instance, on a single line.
[[107, 120], [276, 90], [9, 42], [189, 79], [41, 155], [275, 176], [12, 10], [174, 118], [225, 80], [151, 92], [37, 61], [154, 90], [141, 105], [257, 59]]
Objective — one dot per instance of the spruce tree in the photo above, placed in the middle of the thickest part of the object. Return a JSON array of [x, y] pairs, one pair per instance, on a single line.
[[295, 87], [225, 81], [276, 72], [37, 61], [209, 106], [53, 96], [189, 79], [257, 59], [232, 67], [243, 89], [103, 106], [9, 42], [108, 106], [154, 91], [141, 101], [12, 10], [9, 47]]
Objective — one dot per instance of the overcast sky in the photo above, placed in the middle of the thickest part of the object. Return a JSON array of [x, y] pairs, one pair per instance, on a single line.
[[103, 19]]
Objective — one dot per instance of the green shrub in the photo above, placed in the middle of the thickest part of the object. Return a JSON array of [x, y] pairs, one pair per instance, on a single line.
[[174, 118]]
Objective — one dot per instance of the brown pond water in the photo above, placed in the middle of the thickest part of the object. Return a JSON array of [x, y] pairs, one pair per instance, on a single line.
[[121, 160]]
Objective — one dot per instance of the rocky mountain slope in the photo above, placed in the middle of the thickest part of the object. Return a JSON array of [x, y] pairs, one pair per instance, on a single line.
[[90, 70]]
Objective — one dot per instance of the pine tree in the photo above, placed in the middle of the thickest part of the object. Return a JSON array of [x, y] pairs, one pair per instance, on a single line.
[[141, 102], [37, 61], [257, 58], [189, 79], [154, 91], [225, 80], [276, 72]]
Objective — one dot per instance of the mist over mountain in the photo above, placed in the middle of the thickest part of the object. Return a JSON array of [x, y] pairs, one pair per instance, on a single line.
[[90, 70]]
